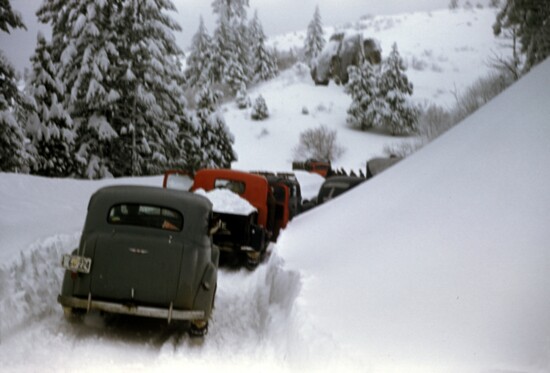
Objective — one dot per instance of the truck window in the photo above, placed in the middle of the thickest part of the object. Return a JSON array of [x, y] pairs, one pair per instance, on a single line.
[[233, 185]]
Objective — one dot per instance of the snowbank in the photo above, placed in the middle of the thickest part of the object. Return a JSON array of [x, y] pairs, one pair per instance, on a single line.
[[441, 263]]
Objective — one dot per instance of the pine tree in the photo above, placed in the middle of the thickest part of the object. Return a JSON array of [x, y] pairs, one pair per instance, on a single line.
[[315, 39], [12, 153], [400, 115], [264, 66], [231, 43], [531, 20], [216, 141], [259, 109], [51, 134], [199, 62], [126, 99], [241, 98], [222, 50], [367, 106]]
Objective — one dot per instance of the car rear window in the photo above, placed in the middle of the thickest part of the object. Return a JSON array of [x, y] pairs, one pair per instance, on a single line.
[[146, 216]]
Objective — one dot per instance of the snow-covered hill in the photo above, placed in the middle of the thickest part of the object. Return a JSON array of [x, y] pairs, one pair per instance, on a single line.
[[446, 51], [440, 264]]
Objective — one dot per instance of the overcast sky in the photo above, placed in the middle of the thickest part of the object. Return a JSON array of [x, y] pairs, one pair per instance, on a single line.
[[277, 16]]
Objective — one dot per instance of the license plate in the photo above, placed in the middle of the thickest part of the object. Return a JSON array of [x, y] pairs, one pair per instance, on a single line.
[[76, 263]]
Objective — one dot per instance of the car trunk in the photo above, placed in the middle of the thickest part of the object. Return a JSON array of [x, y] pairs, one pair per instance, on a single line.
[[136, 268]]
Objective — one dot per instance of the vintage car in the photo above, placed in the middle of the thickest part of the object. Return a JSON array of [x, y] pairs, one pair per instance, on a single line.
[[331, 188], [378, 165], [144, 251], [244, 236]]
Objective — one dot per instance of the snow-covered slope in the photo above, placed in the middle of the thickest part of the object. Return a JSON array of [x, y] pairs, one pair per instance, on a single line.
[[446, 51], [442, 261]]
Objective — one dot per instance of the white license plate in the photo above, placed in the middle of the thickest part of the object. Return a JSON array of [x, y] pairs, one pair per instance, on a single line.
[[76, 263]]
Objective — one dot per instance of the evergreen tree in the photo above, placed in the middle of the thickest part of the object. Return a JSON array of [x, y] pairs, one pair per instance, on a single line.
[[216, 141], [259, 109], [223, 51], [315, 39], [264, 66], [51, 134], [367, 106], [241, 98], [234, 74], [199, 62], [126, 99], [12, 153], [400, 115], [531, 20], [231, 43]]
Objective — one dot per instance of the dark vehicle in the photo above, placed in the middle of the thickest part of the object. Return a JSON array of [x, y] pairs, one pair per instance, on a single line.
[[377, 165], [144, 251], [333, 187], [294, 202], [248, 235]]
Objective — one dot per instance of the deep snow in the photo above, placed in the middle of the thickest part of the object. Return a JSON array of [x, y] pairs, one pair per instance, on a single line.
[[439, 264]]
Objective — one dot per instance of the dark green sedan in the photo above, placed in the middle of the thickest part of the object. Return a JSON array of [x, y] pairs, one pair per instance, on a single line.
[[144, 251]]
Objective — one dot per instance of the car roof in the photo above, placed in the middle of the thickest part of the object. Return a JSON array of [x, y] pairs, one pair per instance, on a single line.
[[195, 208], [149, 194]]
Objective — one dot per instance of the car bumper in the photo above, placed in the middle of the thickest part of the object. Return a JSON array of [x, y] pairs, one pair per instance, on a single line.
[[112, 307]]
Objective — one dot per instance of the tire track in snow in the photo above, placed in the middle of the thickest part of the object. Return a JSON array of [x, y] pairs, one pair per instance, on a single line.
[[251, 307]]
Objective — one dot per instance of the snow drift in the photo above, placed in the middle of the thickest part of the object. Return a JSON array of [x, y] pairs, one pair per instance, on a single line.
[[441, 262]]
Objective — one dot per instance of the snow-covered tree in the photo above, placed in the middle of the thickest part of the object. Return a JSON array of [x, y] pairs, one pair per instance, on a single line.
[[231, 43], [367, 106], [259, 109], [400, 115], [241, 98], [121, 63], [199, 62], [264, 66], [315, 39], [51, 132], [530, 19], [12, 152], [234, 74], [216, 141]]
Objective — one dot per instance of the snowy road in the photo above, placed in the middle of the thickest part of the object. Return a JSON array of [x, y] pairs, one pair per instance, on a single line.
[[248, 308]]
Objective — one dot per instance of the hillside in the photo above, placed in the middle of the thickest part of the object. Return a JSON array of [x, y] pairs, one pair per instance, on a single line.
[[446, 53]]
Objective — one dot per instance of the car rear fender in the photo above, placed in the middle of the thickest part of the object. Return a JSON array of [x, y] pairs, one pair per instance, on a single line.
[[204, 298], [78, 284]]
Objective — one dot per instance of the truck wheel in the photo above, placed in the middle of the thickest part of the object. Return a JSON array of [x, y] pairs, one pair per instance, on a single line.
[[253, 259]]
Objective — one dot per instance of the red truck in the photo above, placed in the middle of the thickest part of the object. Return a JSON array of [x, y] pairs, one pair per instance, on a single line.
[[243, 237]]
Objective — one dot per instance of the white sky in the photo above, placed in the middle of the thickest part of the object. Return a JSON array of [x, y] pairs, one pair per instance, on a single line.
[[277, 16]]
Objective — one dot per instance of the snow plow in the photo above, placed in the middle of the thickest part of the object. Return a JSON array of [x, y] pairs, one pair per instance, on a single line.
[[243, 230]]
